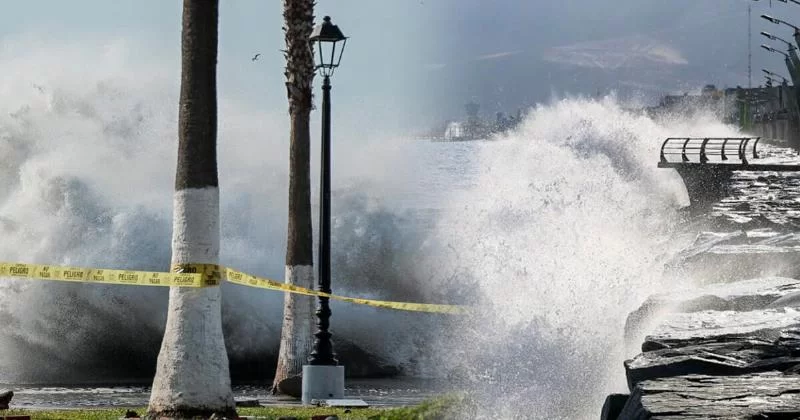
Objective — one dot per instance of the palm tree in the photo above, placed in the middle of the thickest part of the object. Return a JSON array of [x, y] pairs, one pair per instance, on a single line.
[[298, 311], [192, 374]]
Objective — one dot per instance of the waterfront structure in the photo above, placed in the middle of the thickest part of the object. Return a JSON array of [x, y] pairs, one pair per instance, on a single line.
[[476, 128], [770, 112]]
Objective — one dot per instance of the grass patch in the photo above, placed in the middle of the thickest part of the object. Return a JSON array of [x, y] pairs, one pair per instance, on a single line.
[[442, 408]]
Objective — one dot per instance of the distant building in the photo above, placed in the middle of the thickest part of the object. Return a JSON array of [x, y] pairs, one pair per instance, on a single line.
[[475, 128], [770, 112]]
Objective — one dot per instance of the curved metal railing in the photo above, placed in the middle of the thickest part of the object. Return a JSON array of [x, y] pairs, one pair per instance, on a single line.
[[705, 149]]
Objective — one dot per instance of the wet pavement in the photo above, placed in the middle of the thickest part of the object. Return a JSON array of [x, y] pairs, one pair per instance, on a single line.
[[376, 392]]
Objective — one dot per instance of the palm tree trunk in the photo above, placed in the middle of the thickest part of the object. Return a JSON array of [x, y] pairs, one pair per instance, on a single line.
[[192, 376], [298, 311]]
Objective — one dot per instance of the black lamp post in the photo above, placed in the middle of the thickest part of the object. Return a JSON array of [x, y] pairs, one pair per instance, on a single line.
[[326, 36]]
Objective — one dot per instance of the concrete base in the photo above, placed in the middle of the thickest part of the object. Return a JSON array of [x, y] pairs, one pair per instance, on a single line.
[[322, 383]]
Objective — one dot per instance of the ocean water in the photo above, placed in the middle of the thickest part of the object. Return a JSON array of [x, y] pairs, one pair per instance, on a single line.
[[553, 232]]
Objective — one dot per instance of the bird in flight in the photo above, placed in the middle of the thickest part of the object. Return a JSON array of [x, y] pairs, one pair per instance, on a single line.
[[255, 57]]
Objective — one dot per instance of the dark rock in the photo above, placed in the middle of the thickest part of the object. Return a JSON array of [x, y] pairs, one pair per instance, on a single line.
[[613, 406], [130, 414], [5, 399], [770, 395], [287, 418], [291, 386], [727, 358], [718, 343]]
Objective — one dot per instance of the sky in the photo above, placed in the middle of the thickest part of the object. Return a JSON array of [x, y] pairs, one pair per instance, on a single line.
[[415, 62], [377, 78], [518, 53]]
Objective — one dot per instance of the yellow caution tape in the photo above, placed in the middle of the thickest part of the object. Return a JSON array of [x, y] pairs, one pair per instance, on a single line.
[[245, 279], [100, 275], [196, 275], [210, 274]]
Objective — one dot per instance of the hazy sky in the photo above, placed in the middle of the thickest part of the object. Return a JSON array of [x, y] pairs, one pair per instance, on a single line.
[[522, 52], [378, 78], [419, 60]]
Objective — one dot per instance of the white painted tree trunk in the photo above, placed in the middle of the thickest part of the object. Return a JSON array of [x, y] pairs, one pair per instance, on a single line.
[[298, 311], [192, 371], [297, 337]]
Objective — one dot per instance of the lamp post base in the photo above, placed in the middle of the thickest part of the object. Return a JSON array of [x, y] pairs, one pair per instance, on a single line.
[[322, 383]]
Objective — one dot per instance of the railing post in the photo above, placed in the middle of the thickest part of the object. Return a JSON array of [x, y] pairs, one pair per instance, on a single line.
[[683, 151], [743, 150], [755, 155], [724, 142], [703, 157], [663, 145]]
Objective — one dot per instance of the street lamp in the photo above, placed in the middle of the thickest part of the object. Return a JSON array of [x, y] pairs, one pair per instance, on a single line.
[[770, 49], [322, 377], [779, 21], [789, 45], [770, 74], [769, 81]]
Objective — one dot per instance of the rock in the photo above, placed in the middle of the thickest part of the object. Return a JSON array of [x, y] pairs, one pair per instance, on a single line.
[[745, 295], [291, 386], [730, 256], [770, 395], [130, 414], [790, 300], [727, 358], [613, 406], [685, 329], [5, 399], [703, 243], [287, 418], [718, 343]]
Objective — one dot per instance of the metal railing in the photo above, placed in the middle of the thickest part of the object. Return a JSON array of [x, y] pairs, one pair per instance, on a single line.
[[703, 149]]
